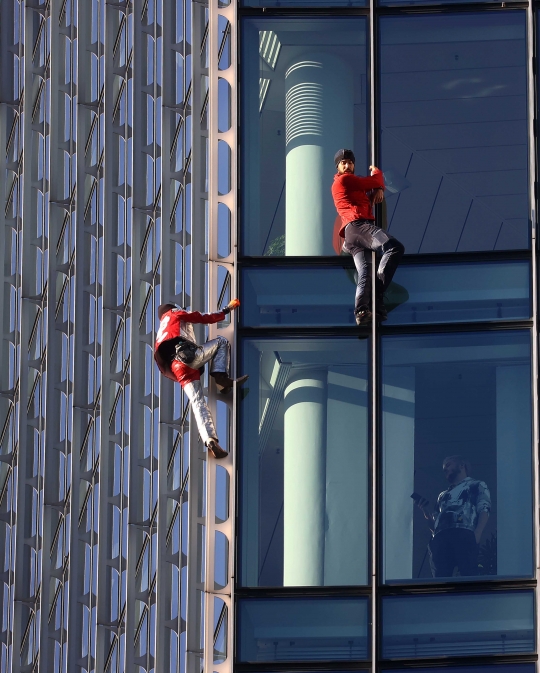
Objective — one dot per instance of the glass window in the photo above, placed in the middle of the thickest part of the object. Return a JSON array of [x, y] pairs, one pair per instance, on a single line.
[[304, 84], [304, 463], [457, 625], [302, 629], [498, 668], [466, 292], [456, 430], [454, 131], [304, 3], [420, 293]]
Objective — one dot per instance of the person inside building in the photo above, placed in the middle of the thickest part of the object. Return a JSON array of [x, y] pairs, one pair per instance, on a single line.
[[180, 359], [458, 521], [354, 197]]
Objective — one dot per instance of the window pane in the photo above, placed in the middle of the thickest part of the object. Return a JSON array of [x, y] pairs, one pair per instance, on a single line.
[[468, 292], [458, 625], [304, 3], [294, 72], [420, 293], [499, 668], [454, 131], [467, 397], [304, 466], [302, 629]]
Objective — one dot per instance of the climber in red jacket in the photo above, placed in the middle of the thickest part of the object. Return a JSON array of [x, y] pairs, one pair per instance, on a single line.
[[180, 359], [354, 197]]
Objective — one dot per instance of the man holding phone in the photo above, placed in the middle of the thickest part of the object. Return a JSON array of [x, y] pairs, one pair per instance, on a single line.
[[458, 521]]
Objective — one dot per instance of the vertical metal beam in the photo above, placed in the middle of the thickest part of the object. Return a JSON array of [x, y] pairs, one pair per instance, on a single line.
[[533, 204], [196, 300], [86, 416], [55, 449], [213, 527], [27, 482], [107, 176], [374, 363], [12, 46], [137, 528], [166, 559]]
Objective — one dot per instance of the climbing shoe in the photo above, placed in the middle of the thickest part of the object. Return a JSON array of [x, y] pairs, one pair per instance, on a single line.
[[215, 449], [362, 316], [382, 313], [226, 383]]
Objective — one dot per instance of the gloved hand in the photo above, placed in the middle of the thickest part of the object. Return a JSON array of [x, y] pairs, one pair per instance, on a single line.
[[234, 303]]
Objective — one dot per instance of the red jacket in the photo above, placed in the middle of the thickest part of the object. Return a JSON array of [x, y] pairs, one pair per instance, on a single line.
[[351, 199], [178, 323]]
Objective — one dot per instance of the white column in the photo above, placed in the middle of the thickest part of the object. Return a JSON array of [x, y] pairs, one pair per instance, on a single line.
[[398, 471], [304, 478], [319, 109], [347, 492], [514, 489]]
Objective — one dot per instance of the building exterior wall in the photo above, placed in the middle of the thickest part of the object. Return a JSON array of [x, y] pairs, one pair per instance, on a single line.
[[166, 151], [109, 113]]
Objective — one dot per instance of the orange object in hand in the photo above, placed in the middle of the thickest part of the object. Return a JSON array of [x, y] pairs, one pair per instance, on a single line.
[[234, 303]]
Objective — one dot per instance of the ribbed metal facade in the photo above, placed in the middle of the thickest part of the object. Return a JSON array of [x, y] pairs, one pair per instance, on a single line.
[[112, 119]]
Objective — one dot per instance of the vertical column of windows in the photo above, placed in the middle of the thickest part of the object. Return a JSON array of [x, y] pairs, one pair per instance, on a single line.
[[174, 437], [59, 326], [146, 296], [86, 305], [116, 123], [31, 193], [11, 123]]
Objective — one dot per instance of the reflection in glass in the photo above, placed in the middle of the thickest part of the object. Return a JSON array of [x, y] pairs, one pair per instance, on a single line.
[[304, 3], [420, 293], [304, 473], [465, 292], [454, 131], [304, 97], [466, 395], [458, 625], [302, 629], [499, 668]]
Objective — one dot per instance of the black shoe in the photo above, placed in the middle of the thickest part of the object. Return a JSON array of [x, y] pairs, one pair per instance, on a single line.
[[362, 316], [215, 449], [227, 383], [382, 313]]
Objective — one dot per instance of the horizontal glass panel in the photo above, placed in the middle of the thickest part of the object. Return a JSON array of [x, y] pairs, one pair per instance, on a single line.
[[304, 463], [304, 3], [498, 668], [454, 131], [302, 629], [457, 463], [293, 73], [420, 293], [467, 292], [453, 625]]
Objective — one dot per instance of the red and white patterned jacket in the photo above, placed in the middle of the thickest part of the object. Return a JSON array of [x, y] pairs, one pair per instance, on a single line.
[[179, 323]]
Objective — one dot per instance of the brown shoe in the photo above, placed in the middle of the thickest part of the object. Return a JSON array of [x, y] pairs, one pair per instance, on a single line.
[[215, 449], [222, 379], [227, 383]]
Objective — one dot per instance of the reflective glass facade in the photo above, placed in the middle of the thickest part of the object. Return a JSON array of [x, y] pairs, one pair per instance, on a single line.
[[348, 434]]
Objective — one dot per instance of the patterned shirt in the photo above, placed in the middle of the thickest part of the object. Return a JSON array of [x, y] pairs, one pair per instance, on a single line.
[[460, 505]]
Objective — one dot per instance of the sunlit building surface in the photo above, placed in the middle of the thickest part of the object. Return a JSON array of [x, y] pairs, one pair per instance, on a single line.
[[182, 151]]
